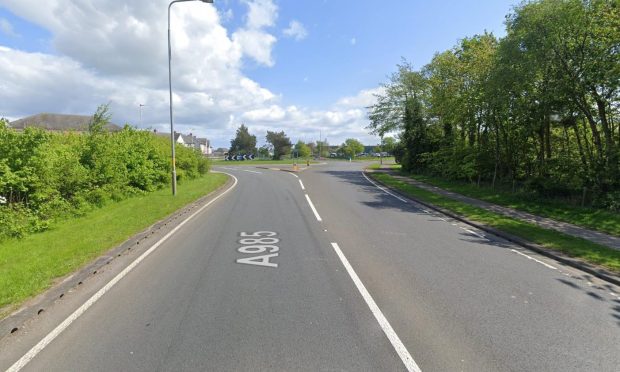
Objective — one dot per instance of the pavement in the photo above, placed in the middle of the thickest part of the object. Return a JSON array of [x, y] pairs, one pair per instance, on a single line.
[[322, 270], [598, 237]]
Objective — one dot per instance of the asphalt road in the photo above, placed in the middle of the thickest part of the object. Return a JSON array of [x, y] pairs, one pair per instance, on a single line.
[[263, 279]]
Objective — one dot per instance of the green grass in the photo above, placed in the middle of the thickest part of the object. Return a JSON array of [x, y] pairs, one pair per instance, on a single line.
[[590, 218], [30, 265], [575, 247]]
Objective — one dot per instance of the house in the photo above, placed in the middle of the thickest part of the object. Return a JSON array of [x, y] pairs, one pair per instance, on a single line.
[[58, 123], [189, 140]]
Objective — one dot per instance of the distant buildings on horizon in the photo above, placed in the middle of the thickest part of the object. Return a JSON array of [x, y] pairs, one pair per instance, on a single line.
[[80, 123]]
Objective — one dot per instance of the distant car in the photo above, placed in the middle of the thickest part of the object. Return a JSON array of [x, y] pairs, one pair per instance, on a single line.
[[333, 155]]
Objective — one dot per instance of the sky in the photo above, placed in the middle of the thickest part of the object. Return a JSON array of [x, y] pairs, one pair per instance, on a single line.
[[308, 68]]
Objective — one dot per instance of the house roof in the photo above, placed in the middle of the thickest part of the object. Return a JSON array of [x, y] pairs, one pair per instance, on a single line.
[[59, 122]]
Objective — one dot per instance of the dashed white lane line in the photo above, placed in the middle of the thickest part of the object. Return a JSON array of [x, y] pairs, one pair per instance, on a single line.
[[398, 345], [17, 366], [293, 174], [316, 214], [251, 171], [302, 185], [534, 259], [384, 189]]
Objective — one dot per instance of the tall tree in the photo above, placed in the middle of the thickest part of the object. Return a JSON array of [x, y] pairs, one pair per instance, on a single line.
[[244, 142], [280, 142]]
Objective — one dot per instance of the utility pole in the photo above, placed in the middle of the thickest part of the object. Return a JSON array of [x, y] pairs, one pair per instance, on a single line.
[[320, 144]]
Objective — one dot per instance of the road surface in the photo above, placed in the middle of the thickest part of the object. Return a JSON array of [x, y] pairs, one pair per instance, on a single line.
[[324, 271]]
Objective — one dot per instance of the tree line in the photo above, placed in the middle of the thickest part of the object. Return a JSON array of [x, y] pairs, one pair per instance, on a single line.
[[279, 145], [45, 175], [537, 108]]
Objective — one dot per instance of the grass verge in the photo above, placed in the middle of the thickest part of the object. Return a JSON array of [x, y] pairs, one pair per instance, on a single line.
[[30, 265], [574, 247], [595, 219]]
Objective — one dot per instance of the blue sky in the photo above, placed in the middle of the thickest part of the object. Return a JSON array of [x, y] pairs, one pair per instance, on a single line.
[[239, 64]]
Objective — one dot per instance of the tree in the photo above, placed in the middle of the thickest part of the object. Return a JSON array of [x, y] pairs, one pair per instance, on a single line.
[[323, 147], [352, 147], [280, 142], [302, 150], [388, 144], [263, 151], [243, 143]]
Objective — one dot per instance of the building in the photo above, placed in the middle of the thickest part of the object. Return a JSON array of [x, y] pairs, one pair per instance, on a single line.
[[189, 140]]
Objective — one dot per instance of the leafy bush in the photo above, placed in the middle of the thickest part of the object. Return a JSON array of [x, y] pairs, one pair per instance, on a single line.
[[46, 175]]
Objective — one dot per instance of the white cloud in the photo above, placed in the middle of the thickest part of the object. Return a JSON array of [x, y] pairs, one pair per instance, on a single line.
[[116, 51], [262, 13], [256, 44], [296, 30], [7, 28], [252, 39], [364, 98]]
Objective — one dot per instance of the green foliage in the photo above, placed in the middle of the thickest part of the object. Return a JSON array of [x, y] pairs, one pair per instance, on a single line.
[[302, 150], [537, 108], [280, 142], [45, 176], [352, 147], [243, 143]]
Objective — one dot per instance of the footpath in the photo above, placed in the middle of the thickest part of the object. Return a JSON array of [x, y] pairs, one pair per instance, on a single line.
[[547, 223]]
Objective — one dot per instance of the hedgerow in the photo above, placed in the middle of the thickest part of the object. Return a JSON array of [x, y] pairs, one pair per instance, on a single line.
[[45, 176]]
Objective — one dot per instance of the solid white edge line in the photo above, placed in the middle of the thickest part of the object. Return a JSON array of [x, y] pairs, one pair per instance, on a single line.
[[302, 185], [316, 214], [532, 258], [21, 363], [293, 174], [398, 345], [384, 189]]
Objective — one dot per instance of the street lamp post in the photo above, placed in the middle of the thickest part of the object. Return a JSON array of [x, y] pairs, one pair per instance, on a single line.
[[141, 105], [174, 167]]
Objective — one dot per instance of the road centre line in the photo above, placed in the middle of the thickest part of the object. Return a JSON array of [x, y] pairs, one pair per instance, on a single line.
[[302, 185], [32, 353], [534, 259], [384, 189], [398, 345], [251, 171], [316, 214]]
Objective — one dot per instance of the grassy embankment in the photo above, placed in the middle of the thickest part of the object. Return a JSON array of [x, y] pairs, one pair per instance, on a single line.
[[575, 247], [595, 219], [30, 265]]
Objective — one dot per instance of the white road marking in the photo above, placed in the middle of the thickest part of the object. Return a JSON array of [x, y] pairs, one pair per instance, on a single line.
[[316, 214], [384, 189], [21, 363], [532, 258], [251, 171], [398, 345], [302, 185], [293, 174], [475, 233]]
